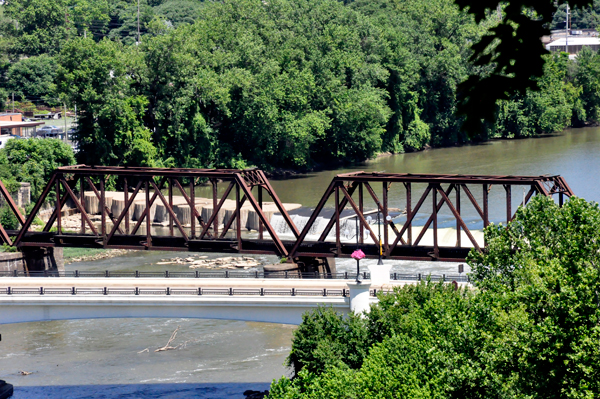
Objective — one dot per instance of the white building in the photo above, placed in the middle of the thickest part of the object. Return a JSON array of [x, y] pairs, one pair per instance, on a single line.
[[574, 43]]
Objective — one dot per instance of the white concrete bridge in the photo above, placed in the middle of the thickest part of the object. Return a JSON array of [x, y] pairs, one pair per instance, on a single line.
[[269, 300]]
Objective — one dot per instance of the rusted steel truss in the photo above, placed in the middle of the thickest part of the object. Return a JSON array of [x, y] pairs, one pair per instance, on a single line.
[[152, 186], [398, 242], [353, 191], [4, 237]]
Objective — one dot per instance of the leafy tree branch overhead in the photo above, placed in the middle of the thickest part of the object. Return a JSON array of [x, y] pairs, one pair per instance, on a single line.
[[513, 51]]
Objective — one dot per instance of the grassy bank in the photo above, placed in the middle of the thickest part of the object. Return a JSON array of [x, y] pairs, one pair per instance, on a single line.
[[72, 255]]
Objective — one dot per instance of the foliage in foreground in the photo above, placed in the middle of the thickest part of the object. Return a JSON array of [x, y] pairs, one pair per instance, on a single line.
[[32, 161], [528, 330]]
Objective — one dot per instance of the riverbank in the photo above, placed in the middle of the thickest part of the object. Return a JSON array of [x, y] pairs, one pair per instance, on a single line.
[[74, 255], [291, 173]]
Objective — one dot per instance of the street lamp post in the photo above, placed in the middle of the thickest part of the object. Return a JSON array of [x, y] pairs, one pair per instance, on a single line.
[[357, 258], [380, 261]]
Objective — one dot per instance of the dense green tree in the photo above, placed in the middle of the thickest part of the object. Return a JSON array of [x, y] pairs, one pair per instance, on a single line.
[[325, 339], [426, 56], [32, 78], [587, 17], [8, 220], [89, 17], [586, 78], [546, 265], [32, 161], [123, 24], [527, 329], [281, 83], [177, 12], [512, 49], [36, 26], [298, 84], [99, 78], [551, 109], [427, 340]]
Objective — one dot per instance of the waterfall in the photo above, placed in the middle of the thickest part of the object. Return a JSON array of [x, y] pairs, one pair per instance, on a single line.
[[282, 228], [279, 225], [347, 227]]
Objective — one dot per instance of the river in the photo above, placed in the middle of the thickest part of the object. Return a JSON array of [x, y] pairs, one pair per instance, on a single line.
[[222, 359]]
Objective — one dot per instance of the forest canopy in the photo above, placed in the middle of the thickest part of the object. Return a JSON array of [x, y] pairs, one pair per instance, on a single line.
[[279, 84]]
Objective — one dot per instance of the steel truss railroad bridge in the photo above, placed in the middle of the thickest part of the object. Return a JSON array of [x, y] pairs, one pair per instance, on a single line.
[[352, 191]]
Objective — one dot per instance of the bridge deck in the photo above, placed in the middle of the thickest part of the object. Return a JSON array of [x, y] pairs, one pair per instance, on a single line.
[[182, 283], [270, 300]]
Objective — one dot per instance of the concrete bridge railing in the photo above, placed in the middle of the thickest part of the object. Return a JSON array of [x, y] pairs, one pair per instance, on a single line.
[[275, 304]]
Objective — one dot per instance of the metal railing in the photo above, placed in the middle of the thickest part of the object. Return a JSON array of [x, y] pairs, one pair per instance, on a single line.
[[178, 291], [232, 274]]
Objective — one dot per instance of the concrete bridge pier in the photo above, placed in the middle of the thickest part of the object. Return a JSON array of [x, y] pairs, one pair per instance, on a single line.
[[360, 300], [40, 259], [309, 264], [302, 266]]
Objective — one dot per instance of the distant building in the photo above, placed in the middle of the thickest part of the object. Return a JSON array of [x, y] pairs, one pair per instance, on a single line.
[[574, 44], [12, 124]]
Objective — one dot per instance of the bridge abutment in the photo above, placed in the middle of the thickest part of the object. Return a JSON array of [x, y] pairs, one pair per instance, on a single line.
[[322, 266], [11, 262], [42, 259], [304, 266]]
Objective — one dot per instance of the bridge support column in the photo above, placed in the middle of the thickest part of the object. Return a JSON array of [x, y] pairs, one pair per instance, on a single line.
[[41, 259], [323, 266], [359, 297]]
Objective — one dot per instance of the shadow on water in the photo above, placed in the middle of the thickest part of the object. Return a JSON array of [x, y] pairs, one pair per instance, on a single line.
[[142, 391]]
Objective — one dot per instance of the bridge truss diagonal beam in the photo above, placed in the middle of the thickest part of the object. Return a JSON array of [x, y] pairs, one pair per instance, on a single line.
[[156, 187], [442, 185]]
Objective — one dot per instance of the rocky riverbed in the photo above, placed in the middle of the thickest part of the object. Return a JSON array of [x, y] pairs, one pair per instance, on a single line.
[[109, 253], [198, 261]]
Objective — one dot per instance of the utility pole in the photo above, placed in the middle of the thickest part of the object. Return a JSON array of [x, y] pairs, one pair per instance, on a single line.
[[13, 101], [567, 31], [66, 134]]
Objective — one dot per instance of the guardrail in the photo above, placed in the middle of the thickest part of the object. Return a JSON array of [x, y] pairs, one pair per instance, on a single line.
[[232, 274], [179, 291]]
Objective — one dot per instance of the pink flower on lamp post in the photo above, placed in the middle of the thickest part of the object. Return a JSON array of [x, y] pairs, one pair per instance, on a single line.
[[358, 255]]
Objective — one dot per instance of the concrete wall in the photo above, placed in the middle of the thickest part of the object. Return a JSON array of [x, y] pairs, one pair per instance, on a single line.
[[284, 310], [22, 196], [11, 261]]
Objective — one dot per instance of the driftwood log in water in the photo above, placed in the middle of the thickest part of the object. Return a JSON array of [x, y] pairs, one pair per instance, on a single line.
[[167, 346]]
